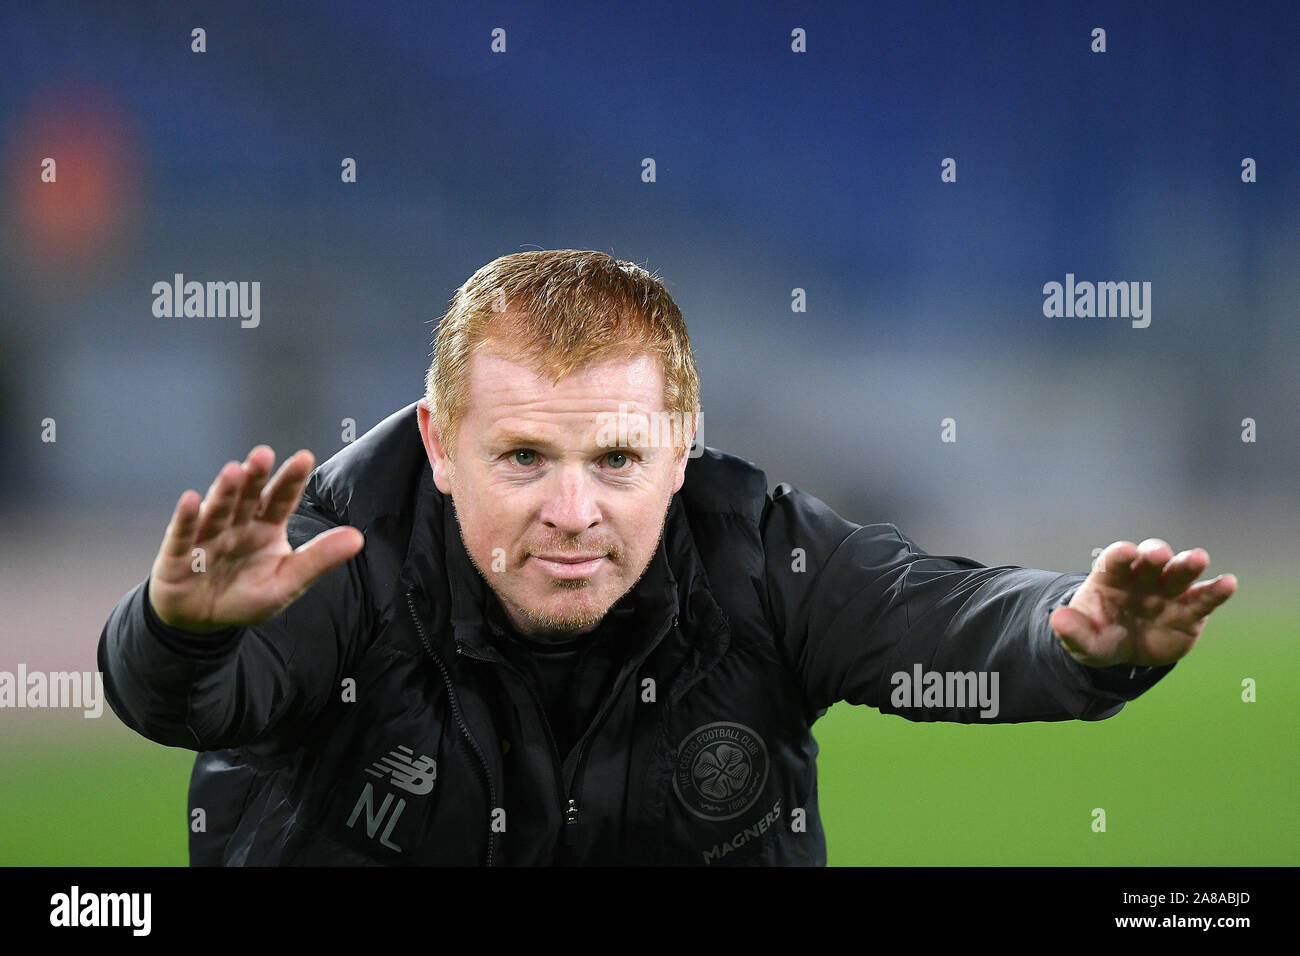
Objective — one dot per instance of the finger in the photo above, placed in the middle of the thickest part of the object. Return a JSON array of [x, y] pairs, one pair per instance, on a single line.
[[1153, 555], [282, 493], [257, 469], [1185, 568], [1203, 598], [219, 503], [178, 539], [320, 555], [1076, 630], [1167, 646], [1116, 563]]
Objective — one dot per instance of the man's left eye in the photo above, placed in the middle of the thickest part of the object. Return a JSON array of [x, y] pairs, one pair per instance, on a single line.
[[616, 460]]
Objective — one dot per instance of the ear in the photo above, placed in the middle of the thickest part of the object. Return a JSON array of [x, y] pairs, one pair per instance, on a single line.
[[679, 469], [683, 459], [439, 461]]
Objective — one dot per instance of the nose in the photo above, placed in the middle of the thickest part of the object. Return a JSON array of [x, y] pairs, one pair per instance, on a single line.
[[570, 505]]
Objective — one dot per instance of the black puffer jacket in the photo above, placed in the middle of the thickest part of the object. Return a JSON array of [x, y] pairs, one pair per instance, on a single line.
[[373, 721]]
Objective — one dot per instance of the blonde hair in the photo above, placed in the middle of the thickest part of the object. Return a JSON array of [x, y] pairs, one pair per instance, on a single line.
[[560, 310]]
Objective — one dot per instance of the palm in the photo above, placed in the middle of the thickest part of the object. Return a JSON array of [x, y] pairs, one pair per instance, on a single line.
[[226, 560], [1138, 606]]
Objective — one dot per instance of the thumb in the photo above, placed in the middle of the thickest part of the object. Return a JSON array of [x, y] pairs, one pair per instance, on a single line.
[[1075, 629], [321, 554]]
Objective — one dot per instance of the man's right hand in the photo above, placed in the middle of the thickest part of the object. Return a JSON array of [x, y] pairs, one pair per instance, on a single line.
[[250, 573]]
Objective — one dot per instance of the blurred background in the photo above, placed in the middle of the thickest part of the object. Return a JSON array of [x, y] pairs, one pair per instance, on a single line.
[[774, 171]]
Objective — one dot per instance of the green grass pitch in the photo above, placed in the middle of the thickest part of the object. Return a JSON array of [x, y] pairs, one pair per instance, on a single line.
[[1188, 775]]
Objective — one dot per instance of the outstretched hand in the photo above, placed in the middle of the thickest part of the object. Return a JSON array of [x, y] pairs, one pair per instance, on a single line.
[[248, 571], [1139, 606]]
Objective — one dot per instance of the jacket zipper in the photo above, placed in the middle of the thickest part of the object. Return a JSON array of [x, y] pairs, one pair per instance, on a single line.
[[571, 813], [460, 722], [575, 789], [570, 829]]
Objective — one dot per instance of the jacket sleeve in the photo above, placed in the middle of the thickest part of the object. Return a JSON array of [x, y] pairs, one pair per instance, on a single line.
[[263, 685], [866, 616]]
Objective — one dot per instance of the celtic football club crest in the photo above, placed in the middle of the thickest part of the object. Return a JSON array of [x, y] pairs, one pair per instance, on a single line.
[[721, 770]]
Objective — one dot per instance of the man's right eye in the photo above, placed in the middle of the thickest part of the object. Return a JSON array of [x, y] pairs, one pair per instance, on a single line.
[[524, 457]]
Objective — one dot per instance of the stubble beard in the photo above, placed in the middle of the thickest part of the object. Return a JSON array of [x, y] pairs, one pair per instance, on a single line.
[[559, 625]]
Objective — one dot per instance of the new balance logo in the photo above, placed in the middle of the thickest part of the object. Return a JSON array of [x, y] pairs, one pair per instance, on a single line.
[[403, 770], [412, 775]]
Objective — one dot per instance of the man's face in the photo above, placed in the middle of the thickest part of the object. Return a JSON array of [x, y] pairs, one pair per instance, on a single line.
[[560, 522]]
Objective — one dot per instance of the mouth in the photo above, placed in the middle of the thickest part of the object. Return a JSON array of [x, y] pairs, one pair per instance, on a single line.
[[569, 566]]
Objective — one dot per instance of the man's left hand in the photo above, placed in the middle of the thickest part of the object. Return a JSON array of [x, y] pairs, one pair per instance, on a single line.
[[1138, 605]]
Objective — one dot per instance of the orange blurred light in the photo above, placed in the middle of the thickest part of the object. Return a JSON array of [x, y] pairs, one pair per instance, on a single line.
[[83, 216]]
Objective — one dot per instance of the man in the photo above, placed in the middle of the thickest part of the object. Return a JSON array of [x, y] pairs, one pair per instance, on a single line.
[[518, 623]]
